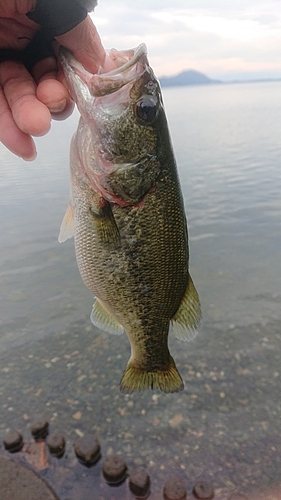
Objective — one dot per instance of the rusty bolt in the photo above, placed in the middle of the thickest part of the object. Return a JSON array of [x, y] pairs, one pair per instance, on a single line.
[[56, 444], [87, 449], [114, 469], [174, 489], [139, 482], [13, 441], [40, 428], [203, 490]]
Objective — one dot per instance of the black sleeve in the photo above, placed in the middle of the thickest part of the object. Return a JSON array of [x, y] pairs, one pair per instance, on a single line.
[[56, 17], [59, 16]]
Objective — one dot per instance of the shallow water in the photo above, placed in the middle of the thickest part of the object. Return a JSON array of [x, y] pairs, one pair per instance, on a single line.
[[225, 426]]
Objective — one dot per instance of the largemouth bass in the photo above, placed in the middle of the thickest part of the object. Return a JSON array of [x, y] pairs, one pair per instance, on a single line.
[[127, 216]]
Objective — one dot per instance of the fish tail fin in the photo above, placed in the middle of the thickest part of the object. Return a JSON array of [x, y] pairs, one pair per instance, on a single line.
[[136, 378]]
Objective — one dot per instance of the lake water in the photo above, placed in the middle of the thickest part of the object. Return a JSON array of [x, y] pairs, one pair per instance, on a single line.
[[226, 425]]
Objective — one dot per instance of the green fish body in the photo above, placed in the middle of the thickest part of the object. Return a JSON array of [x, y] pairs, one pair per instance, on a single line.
[[127, 216]]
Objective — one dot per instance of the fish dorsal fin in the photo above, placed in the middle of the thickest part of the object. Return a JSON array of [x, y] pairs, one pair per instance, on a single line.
[[186, 321], [101, 318], [67, 225]]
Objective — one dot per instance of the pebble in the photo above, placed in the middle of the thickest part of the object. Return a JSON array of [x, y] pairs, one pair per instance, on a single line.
[[13, 441], [114, 469], [77, 415], [203, 490], [87, 449], [139, 482], [56, 444], [40, 428], [174, 489]]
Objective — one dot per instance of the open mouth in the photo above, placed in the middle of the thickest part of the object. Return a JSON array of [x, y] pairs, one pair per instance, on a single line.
[[130, 64]]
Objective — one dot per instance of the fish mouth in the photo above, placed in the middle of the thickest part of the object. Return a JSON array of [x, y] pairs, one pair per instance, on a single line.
[[121, 173], [130, 65]]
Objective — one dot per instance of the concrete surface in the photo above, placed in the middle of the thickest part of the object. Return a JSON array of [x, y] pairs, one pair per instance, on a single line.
[[20, 483]]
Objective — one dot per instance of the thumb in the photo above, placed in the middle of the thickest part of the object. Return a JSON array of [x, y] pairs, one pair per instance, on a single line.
[[85, 44]]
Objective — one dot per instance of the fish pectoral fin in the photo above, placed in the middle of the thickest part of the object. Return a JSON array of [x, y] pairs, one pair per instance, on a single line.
[[101, 318], [67, 225], [105, 224], [186, 321]]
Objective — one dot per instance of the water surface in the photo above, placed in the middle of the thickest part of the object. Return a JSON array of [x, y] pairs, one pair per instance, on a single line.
[[225, 426]]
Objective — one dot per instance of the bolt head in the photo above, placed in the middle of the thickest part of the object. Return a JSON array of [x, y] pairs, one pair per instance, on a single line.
[[114, 469], [203, 490], [87, 450], [40, 428], [13, 441], [56, 444], [174, 489], [139, 482]]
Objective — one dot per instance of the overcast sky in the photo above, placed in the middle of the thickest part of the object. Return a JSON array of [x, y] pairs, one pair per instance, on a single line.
[[225, 39]]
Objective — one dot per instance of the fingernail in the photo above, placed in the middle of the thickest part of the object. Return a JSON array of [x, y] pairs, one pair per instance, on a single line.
[[65, 113], [30, 157], [56, 107]]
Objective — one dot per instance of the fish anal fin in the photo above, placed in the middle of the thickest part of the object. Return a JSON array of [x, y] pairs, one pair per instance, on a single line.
[[136, 378], [102, 319], [186, 321], [67, 225]]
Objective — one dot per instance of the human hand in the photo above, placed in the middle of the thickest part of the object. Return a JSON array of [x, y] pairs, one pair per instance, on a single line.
[[30, 98]]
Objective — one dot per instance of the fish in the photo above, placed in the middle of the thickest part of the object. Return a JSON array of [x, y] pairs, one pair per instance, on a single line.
[[127, 216]]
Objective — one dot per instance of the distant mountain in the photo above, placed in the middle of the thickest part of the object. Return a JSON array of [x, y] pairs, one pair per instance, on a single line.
[[189, 77]]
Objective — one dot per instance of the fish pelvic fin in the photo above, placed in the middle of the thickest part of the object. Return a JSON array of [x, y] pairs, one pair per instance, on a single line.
[[136, 378], [101, 318], [186, 321], [67, 225]]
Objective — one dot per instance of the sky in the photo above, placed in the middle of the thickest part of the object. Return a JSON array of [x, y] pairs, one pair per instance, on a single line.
[[224, 39]]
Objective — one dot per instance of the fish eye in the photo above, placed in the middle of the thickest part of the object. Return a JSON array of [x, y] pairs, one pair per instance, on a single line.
[[146, 109]]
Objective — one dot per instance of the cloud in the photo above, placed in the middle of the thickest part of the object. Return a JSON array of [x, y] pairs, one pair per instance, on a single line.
[[218, 38], [99, 21], [244, 30]]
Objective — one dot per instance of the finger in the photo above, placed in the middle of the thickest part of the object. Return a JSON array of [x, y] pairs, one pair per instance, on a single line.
[[11, 136], [30, 115], [10, 8], [50, 91], [55, 96], [14, 35], [85, 44]]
